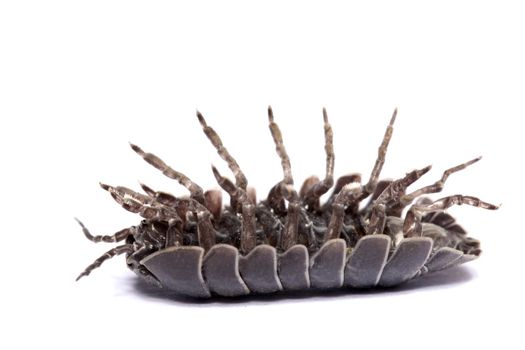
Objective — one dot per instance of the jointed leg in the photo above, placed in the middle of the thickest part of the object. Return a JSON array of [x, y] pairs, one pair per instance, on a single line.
[[246, 208], [117, 237], [279, 147], [149, 210], [376, 171], [349, 195], [238, 195], [205, 229], [391, 192], [437, 186], [163, 198], [311, 198], [174, 233], [124, 192], [380, 188], [412, 224], [289, 234], [125, 248], [196, 191], [240, 178], [397, 188], [174, 211], [286, 184], [377, 220]]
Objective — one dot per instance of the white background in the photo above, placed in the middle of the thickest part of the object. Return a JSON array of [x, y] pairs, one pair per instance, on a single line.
[[78, 80]]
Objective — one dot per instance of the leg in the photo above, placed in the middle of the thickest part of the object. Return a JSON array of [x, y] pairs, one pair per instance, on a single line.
[[270, 224], [249, 235], [130, 201], [377, 220], [174, 233], [124, 192], [196, 191], [279, 147], [376, 171], [381, 186], [349, 195], [117, 237], [237, 194], [163, 198], [412, 224], [311, 198], [240, 178], [437, 186], [386, 193], [397, 188], [289, 234], [291, 226], [126, 248], [205, 229], [245, 207]]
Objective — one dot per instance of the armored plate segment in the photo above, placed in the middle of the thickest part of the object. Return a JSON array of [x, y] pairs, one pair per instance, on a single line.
[[293, 266], [259, 270], [410, 255], [221, 271], [179, 269], [442, 258], [327, 265], [367, 260]]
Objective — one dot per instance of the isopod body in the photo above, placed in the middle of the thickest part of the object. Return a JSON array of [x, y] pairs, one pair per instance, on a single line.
[[195, 246]]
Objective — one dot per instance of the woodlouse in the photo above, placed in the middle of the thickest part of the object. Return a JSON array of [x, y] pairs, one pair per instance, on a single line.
[[194, 246]]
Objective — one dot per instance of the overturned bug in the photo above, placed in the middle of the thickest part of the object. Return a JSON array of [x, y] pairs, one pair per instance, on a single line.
[[194, 246]]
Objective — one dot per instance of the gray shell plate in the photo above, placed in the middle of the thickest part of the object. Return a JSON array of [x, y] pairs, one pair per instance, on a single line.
[[372, 262]]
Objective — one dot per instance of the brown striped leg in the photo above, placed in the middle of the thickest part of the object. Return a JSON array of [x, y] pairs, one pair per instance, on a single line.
[[381, 186], [381, 154], [174, 211], [117, 237], [315, 191], [205, 229], [397, 188], [196, 191], [240, 178], [125, 248], [279, 147], [436, 187], [289, 234], [377, 220], [347, 196], [412, 224], [130, 201], [291, 227], [163, 198], [174, 233], [246, 208], [392, 192], [124, 192]]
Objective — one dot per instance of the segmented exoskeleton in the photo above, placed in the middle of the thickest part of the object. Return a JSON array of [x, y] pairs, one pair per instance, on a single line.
[[289, 241]]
